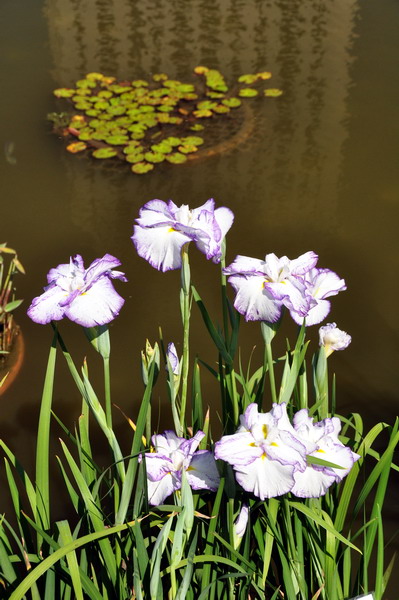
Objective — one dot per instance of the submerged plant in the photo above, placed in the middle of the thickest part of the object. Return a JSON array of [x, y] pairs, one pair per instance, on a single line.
[[150, 119]]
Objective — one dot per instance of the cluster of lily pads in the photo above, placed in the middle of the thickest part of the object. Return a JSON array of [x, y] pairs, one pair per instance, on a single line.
[[148, 122]]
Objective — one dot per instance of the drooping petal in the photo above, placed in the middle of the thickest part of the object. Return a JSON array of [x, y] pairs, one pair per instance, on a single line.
[[245, 265], [98, 305], [252, 299], [311, 483], [158, 491], [47, 308], [203, 474], [265, 478], [160, 246], [166, 442], [315, 315]]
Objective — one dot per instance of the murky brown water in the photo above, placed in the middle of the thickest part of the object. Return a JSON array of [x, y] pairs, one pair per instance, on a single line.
[[321, 172]]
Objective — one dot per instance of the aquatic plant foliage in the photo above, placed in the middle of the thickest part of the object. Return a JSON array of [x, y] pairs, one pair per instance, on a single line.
[[146, 123]]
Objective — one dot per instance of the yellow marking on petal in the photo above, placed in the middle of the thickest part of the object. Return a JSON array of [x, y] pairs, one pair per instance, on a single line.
[[274, 444], [252, 444], [320, 450], [171, 230], [264, 455], [190, 469], [264, 431]]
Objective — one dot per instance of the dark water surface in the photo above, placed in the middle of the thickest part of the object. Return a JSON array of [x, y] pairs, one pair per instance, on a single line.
[[320, 172]]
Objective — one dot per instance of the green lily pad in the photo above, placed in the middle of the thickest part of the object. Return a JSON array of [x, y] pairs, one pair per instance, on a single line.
[[264, 75], [176, 158], [190, 96], [102, 105], [154, 157], [185, 88], [192, 140], [206, 105], [132, 146], [104, 94], [104, 153], [92, 112], [202, 114], [95, 76], [160, 77], [137, 135], [85, 134], [64, 92], [221, 109], [273, 92], [163, 117], [173, 141], [135, 157], [232, 102], [140, 83], [187, 149], [172, 83], [117, 140], [175, 120], [163, 147], [85, 83], [142, 167], [215, 95], [250, 78], [248, 93], [116, 111], [197, 127]]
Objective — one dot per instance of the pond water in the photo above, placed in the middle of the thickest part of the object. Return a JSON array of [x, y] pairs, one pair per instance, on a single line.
[[320, 172]]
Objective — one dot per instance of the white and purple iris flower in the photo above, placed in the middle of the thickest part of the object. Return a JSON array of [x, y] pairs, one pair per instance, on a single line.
[[264, 287], [320, 284], [321, 440], [173, 359], [269, 455], [172, 455], [162, 230], [85, 296], [264, 456], [333, 338]]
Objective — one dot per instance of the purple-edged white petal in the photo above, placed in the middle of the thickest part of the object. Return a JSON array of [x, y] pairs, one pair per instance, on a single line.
[[303, 264], [203, 474], [311, 483], [253, 300], [47, 307], [316, 314], [238, 449], [265, 478], [160, 246], [158, 491], [98, 305], [157, 466]]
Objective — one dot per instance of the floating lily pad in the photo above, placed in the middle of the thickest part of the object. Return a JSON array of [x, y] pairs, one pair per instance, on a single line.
[[140, 83], [265, 75], [187, 149], [154, 157], [190, 96], [201, 70], [232, 102], [176, 158], [206, 105], [221, 109], [197, 127], [173, 141], [247, 79], [135, 157], [192, 140], [104, 153], [117, 140], [160, 77], [142, 167], [76, 147], [216, 95], [85, 83], [202, 114], [86, 134], [95, 76], [104, 94], [162, 147], [132, 146], [248, 93], [64, 93], [272, 92]]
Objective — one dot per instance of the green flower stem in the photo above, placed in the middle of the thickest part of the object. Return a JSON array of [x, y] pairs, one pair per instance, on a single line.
[[270, 365], [185, 312], [224, 294], [107, 387]]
